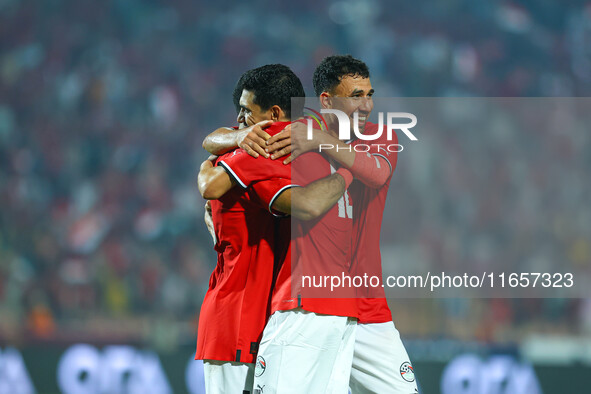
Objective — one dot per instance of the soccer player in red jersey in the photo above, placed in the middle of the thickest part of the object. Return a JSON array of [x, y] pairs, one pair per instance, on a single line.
[[352, 80], [380, 363], [251, 241], [307, 340], [307, 345]]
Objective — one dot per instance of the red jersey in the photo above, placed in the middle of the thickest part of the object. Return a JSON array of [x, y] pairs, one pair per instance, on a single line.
[[320, 248], [251, 242], [367, 223]]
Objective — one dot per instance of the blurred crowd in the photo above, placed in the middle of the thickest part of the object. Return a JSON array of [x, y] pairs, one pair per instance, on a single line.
[[103, 107]]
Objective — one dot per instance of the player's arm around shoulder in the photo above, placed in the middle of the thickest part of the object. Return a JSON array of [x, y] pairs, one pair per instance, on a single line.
[[252, 139], [213, 182], [372, 170]]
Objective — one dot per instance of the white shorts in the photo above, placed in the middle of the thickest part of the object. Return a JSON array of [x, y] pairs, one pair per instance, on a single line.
[[304, 352], [228, 377], [380, 362]]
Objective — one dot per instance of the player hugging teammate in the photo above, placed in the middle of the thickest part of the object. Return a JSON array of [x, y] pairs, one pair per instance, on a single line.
[[259, 331]]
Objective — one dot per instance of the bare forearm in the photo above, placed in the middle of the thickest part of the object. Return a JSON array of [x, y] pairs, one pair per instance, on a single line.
[[221, 141], [312, 201], [252, 139], [318, 197]]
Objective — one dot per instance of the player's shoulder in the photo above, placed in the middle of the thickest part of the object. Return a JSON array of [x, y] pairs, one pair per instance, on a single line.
[[231, 154], [276, 128]]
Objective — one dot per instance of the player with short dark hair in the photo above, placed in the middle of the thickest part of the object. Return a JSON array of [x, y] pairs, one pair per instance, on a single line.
[[330, 72], [343, 82], [293, 351], [274, 85], [380, 363], [379, 353], [304, 328], [252, 242]]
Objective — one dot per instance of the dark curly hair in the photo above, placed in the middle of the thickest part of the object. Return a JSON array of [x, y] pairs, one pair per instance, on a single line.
[[332, 69], [273, 84]]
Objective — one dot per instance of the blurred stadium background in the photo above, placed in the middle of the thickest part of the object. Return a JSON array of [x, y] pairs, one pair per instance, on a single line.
[[103, 107]]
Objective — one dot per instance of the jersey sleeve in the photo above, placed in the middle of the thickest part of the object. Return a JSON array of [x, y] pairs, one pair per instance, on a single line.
[[267, 191], [246, 169], [381, 149], [388, 157]]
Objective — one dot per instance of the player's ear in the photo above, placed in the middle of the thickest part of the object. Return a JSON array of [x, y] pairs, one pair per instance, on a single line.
[[325, 100], [276, 113]]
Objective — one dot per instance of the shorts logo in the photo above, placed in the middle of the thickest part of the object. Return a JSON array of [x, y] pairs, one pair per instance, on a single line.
[[260, 366], [407, 372]]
